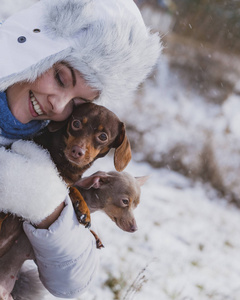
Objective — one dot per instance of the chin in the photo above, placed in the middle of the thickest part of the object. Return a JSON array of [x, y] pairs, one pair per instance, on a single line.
[[23, 120], [17, 113], [20, 118]]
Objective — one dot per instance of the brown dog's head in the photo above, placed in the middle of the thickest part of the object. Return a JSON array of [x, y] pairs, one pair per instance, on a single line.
[[91, 131], [117, 194]]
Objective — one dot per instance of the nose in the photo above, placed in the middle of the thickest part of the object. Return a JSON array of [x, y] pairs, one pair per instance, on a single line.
[[77, 151], [58, 102], [133, 228]]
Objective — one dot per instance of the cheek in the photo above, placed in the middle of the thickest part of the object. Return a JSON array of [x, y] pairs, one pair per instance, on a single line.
[[43, 84], [64, 114], [17, 96]]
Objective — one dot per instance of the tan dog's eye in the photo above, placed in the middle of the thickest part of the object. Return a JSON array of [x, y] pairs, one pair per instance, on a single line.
[[125, 202], [103, 137], [76, 124]]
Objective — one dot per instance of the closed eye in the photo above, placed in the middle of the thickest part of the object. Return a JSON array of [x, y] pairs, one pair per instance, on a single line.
[[58, 78], [64, 75]]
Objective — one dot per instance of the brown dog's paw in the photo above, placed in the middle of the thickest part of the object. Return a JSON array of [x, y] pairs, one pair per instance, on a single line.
[[80, 206], [82, 218], [99, 243]]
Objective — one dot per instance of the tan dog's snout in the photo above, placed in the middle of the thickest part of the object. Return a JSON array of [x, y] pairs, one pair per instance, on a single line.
[[124, 220], [132, 226]]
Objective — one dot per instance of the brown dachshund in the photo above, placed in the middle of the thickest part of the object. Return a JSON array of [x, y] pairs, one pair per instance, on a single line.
[[117, 194], [89, 133]]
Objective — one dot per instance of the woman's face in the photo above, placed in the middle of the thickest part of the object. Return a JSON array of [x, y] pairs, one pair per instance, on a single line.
[[51, 96]]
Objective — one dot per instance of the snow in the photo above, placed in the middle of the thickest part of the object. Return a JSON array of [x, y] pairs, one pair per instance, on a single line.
[[231, 111], [187, 246]]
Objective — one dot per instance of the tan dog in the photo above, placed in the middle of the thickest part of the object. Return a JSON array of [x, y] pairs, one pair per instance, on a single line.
[[117, 194]]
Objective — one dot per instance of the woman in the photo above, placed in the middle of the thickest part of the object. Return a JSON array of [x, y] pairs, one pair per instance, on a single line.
[[54, 55]]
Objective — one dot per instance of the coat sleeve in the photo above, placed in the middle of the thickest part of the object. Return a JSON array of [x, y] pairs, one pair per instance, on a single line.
[[66, 254]]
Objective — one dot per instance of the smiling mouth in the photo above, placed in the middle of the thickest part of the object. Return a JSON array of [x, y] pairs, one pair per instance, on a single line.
[[35, 104]]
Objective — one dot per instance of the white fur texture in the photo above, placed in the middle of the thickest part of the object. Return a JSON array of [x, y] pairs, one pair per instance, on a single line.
[[30, 185], [109, 44]]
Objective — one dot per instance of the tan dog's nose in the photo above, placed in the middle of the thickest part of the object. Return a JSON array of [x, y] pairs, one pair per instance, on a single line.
[[77, 151], [133, 228]]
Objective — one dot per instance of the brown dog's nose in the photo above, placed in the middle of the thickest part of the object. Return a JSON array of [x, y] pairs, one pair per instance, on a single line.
[[77, 151]]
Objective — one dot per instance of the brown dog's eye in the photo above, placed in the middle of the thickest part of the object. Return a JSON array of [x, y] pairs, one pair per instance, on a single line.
[[103, 137], [76, 124]]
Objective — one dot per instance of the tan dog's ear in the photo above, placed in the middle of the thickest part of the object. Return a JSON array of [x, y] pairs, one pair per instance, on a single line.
[[123, 154], [55, 126], [94, 181], [141, 180]]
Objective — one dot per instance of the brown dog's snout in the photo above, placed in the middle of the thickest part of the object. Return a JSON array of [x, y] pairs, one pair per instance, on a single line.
[[77, 151]]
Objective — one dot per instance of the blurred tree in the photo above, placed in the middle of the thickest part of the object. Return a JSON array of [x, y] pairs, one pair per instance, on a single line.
[[213, 21]]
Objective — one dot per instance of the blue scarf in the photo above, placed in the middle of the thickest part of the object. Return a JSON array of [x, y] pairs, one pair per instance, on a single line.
[[11, 128]]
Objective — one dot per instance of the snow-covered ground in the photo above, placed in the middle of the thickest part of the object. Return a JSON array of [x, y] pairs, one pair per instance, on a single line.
[[187, 246]]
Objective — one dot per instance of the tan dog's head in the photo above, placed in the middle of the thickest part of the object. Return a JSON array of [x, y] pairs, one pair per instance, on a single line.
[[91, 131], [118, 194]]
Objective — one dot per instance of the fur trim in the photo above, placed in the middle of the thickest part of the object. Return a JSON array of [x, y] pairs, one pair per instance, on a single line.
[[66, 18], [30, 74], [111, 46], [30, 186], [108, 43]]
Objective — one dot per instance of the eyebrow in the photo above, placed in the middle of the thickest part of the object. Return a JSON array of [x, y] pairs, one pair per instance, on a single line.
[[74, 81]]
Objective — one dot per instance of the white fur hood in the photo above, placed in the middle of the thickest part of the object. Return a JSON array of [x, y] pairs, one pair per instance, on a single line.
[[106, 40]]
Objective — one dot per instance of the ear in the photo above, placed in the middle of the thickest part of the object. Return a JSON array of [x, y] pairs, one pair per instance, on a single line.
[[123, 154], [55, 126], [93, 181], [141, 180]]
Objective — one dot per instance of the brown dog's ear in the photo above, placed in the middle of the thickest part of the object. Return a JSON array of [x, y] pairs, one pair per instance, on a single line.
[[123, 154], [55, 126]]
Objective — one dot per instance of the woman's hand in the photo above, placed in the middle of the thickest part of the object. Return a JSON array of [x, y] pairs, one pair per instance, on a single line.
[[51, 218]]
